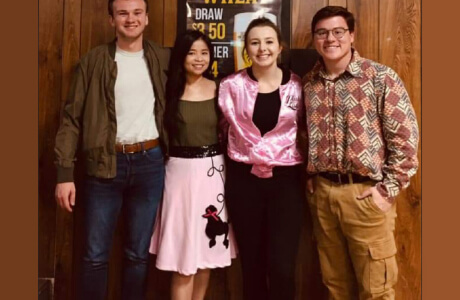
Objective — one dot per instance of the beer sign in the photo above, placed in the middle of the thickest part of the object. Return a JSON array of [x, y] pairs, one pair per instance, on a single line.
[[225, 22]]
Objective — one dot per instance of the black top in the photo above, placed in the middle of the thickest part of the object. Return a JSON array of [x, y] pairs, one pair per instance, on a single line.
[[267, 106]]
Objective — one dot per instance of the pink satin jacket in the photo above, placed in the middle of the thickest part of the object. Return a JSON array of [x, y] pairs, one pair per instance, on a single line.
[[278, 147]]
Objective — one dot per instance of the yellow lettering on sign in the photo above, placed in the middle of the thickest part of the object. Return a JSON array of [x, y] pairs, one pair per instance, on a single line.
[[216, 31], [199, 26], [215, 72], [236, 1]]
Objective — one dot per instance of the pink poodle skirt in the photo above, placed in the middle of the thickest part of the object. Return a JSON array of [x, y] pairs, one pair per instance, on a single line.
[[191, 229]]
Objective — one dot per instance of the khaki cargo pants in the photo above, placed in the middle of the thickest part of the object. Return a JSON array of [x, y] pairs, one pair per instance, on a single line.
[[355, 240]]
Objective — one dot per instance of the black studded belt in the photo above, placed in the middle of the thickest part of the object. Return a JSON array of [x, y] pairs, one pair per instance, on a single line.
[[195, 152]]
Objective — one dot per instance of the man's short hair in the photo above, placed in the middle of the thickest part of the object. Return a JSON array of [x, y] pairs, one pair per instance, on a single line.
[[333, 11], [111, 6]]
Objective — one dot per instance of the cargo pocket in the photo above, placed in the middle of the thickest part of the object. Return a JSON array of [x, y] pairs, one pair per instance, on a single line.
[[382, 268]]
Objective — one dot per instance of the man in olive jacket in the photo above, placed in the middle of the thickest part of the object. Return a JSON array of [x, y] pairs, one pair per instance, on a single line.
[[114, 112]]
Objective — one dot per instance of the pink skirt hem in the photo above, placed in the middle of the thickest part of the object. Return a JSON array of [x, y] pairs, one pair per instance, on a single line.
[[191, 230]]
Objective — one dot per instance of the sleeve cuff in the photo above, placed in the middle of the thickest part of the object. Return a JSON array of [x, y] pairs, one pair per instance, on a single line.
[[64, 174], [381, 188]]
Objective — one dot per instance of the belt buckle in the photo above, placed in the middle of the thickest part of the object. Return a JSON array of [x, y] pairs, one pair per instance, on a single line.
[[124, 149], [337, 175]]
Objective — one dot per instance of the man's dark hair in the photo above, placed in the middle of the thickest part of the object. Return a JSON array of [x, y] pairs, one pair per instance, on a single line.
[[111, 7], [333, 11], [175, 85]]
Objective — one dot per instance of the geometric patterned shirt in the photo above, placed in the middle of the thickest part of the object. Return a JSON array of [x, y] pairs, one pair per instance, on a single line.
[[361, 122]]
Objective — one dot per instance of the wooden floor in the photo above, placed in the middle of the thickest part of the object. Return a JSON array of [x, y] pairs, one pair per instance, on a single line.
[[45, 289]]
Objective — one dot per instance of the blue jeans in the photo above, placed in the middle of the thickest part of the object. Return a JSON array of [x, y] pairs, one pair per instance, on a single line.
[[135, 192]]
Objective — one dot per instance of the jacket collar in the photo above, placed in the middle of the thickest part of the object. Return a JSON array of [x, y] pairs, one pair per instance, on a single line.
[[284, 69]]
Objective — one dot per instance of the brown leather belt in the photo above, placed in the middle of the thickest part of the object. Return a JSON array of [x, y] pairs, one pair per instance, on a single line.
[[137, 147], [344, 178]]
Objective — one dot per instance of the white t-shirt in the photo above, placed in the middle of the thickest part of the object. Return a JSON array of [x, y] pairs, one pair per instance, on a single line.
[[134, 99]]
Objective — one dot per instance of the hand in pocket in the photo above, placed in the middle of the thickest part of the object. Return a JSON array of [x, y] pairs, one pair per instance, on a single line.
[[376, 197]]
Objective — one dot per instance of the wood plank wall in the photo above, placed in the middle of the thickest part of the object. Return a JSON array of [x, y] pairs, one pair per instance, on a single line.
[[388, 31]]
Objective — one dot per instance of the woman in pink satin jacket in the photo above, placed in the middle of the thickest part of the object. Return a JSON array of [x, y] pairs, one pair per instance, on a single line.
[[263, 110]]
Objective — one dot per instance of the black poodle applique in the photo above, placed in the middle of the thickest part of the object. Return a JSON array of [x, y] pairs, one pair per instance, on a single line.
[[215, 226]]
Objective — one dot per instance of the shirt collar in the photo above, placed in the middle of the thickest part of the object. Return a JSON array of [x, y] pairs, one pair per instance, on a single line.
[[113, 47], [353, 68]]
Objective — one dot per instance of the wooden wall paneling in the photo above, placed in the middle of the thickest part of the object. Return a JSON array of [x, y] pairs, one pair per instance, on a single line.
[[95, 26], [49, 52], [301, 14], [170, 26], [366, 27], [400, 49], [70, 43], [387, 31], [155, 28], [400, 42], [44, 289], [342, 3], [64, 287], [408, 241]]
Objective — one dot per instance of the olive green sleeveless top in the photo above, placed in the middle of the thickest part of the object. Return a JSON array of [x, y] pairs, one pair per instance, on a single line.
[[196, 123]]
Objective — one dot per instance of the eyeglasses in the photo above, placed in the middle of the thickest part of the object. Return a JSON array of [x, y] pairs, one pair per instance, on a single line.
[[337, 32]]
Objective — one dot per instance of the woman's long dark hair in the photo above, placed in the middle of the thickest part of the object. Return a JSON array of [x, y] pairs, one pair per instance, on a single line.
[[175, 85]]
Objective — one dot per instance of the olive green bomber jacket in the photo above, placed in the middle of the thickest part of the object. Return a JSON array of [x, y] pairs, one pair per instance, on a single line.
[[89, 119]]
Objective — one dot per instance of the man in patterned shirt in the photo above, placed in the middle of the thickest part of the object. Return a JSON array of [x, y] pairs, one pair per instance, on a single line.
[[363, 140]]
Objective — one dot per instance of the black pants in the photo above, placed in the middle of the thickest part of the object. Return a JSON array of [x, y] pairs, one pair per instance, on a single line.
[[266, 214]]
